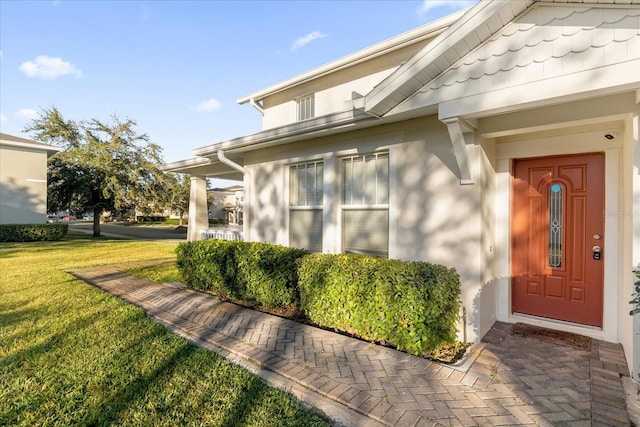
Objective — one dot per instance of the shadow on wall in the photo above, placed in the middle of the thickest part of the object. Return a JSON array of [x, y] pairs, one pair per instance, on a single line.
[[20, 205], [265, 219]]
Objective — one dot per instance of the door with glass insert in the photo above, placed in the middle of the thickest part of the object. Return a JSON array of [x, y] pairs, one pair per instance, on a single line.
[[557, 239]]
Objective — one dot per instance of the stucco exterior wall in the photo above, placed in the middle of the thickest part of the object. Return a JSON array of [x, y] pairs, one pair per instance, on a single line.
[[432, 217], [23, 186], [333, 93], [281, 109]]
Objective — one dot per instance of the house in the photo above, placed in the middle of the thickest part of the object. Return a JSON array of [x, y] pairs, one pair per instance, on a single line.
[[226, 204], [501, 140], [23, 180]]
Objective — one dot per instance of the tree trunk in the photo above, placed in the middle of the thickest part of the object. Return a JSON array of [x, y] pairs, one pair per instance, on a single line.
[[96, 222]]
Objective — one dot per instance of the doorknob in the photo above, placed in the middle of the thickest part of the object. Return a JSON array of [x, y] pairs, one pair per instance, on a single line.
[[597, 252]]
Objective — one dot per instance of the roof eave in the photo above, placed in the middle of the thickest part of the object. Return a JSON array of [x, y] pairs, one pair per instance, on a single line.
[[290, 133], [49, 149], [429, 30], [411, 76]]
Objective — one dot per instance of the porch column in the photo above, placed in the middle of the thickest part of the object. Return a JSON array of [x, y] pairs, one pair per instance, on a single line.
[[198, 212]]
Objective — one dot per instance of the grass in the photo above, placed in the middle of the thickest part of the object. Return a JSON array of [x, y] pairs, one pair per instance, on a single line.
[[163, 273], [71, 354]]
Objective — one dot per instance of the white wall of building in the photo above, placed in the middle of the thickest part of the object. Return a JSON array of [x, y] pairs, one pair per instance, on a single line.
[[23, 185]]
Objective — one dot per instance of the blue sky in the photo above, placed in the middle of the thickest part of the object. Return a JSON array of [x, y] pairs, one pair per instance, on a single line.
[[178, 67]]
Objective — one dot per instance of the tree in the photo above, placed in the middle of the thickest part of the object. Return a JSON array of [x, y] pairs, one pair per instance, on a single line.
[[179, 192], [102, 167]]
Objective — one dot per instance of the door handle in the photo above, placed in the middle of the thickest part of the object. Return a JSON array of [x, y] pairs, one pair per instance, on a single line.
[[597, 252]]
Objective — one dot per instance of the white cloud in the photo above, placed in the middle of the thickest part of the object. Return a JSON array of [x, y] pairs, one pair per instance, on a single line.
[[3, 118], [429, 5], [49, 68], [305, 40], [27, 113], [207, 106]]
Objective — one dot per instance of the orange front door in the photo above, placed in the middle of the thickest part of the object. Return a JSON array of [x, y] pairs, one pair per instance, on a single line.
[[558, 238]]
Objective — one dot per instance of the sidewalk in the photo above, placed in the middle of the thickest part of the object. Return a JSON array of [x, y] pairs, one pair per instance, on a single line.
[[506, 380]]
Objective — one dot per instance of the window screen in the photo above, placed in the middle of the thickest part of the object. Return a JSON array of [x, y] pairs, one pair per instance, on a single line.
[[365, 204], [305, 206]]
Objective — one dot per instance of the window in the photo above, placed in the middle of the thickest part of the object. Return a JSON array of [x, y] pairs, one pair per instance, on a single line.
[[365, 204], [555, 226], [305, 107], [305, 206]]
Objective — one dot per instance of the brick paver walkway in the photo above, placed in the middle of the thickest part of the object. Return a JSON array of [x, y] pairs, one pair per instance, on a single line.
[[506, 380]]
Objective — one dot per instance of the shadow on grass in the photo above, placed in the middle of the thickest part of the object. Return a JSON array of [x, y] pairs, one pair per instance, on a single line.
[[36, 351], [136, 389]]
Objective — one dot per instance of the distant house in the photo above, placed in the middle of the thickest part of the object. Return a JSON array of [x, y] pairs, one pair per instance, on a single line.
[[23, 180], [501, 140], [226, 204]]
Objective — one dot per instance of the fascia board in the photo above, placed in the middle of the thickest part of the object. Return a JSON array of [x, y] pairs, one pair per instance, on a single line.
[[184, 164], [380, 100], [203, 167], [286, 134], [50, 149], [596, 82], [432, 29]]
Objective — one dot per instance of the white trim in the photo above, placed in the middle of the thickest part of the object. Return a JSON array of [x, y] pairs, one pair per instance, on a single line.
[[463, 157], [600, 81], [50, 149]]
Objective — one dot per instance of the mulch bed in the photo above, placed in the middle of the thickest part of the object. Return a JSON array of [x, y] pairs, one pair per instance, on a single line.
[[549, 335]]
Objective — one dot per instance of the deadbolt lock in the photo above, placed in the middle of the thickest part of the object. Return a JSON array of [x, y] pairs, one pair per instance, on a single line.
[[597, 252]]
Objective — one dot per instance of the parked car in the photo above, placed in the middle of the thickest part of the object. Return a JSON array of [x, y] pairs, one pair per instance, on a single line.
[[53, 219], [69, 218]]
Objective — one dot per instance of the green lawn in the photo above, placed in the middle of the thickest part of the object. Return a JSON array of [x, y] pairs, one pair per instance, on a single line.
[[71, 354]]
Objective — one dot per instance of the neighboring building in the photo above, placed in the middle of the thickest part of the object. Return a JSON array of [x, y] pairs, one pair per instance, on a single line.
[[502, 141], [23, 180], [226, 204]]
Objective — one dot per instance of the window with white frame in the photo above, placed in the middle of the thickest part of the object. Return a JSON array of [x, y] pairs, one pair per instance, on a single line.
[[365, 204], [305, 206], [305, 107]]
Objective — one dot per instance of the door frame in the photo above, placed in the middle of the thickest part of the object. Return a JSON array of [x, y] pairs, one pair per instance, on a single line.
[[570, 142]]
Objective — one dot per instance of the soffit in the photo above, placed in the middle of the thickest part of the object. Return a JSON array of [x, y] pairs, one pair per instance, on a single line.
[[319, 126], [201, 166]]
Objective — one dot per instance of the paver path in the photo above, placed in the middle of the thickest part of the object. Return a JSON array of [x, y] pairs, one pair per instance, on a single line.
[[507, 380]]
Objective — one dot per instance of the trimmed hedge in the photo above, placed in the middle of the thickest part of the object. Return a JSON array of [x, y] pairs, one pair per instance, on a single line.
[[242, 271], [410, 305], [32, 232]]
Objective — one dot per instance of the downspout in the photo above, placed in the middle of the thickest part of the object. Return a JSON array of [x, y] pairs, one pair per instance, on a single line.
[[247, 178], [256, 106]]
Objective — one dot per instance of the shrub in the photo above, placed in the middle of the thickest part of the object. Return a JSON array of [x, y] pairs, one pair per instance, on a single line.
[[176, 221], [242, 271], [150, 218], [209, 265], [32, 232], [268, 273], [410, 305]]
